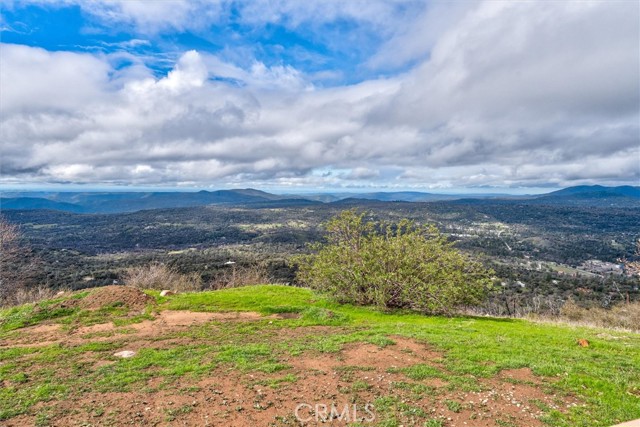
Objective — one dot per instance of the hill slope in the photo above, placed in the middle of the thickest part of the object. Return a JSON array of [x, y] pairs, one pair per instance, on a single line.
[[594, 195], [31, 203], [250, 356], [137, 201], [119, 202]]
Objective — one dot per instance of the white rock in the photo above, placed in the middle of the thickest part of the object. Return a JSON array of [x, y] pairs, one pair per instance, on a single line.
[[166, 292], [125, 354]]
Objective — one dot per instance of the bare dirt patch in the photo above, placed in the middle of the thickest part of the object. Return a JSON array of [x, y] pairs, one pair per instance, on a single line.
[[164, 322], [131, 298], [357, 375], [522, 374]]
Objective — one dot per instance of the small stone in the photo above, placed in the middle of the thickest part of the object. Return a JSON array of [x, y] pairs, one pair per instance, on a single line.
[[125, 354], [166, 292]]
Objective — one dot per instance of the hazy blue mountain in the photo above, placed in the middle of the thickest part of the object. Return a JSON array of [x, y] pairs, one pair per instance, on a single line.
[[30, 203], [404, 196], [597, 191], [131, 202], [593, 195], [115, 202]]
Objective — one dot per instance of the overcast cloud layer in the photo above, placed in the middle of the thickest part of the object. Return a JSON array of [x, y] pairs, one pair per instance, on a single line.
[[499, 94]]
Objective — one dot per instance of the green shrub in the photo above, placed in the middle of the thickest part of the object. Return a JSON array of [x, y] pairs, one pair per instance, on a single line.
[[392, 265]]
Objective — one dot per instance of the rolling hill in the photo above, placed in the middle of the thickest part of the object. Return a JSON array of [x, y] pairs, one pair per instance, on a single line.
[[118, 202]]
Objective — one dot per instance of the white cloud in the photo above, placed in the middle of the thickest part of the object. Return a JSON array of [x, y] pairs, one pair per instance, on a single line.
[[33, 78], [512, 93]]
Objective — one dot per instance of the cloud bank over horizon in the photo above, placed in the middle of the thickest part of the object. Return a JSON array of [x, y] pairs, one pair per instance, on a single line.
[[321, 95]]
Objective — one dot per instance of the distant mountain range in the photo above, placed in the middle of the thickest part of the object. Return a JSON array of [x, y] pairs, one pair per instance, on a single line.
[[114, 202]]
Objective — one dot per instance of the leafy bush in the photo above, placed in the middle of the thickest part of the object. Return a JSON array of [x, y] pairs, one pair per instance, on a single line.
[[401, 265]]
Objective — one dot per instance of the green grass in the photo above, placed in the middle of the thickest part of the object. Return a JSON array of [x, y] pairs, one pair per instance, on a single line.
[[604, 376], [265, 299], [278, 382], [14, 318]]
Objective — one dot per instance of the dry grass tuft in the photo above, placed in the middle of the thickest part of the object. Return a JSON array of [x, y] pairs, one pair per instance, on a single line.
[[24, 295], [159, 276], [236, 276], [623, 316]]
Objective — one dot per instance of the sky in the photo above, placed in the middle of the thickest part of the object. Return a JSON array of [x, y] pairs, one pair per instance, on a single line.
[[326, 95]]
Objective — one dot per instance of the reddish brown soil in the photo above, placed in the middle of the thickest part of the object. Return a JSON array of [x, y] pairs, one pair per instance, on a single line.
[[164, 323], [358, 374], [132, 298]]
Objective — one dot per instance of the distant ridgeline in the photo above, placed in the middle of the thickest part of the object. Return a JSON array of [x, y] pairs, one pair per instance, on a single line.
[[115, 202]]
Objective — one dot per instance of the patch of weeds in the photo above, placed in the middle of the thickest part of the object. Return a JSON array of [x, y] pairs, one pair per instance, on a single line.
[[47, 354], [277, 382], [251, 357], [31, 314], [509, 422], [433, 422], [43, 418], [540, 405], [155, 294], [14, 353], [453, 406], [80, 295], [171, 363], [471, 367], [464, 383], [323, 316], [96, 347], [556, 418], [354, 368], [124, 321], [418, 390], [419, 372], [360, 385], [7, 370], [172, 414], [380, 340], [347, 372], [97, 412], [391, 407], [20, 378], [17, 400]]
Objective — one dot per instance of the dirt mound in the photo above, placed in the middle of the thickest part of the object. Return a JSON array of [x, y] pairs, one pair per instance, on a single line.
[[132, 298]]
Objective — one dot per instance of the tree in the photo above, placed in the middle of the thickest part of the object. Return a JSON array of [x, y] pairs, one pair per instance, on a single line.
[[392, 265], [16, 262], [632, 267]]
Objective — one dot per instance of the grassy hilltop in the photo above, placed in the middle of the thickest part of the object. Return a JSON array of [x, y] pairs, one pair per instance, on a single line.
[[249, 356]]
